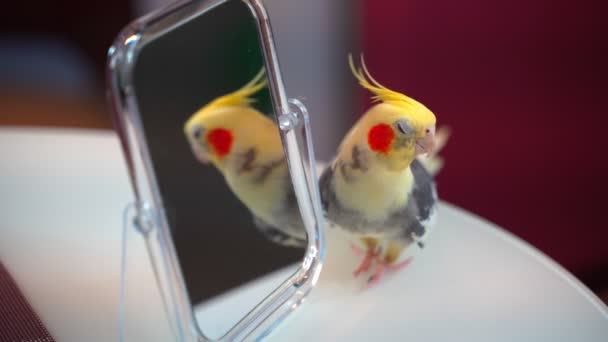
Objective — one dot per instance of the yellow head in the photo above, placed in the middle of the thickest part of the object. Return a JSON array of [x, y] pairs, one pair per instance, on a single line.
[[229, 124], [397, 129]]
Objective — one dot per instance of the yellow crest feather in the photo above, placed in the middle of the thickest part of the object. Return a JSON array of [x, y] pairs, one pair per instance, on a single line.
[[381, 93], [241, 97]]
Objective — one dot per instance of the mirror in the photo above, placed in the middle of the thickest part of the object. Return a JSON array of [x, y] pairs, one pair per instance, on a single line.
[[218, 161]]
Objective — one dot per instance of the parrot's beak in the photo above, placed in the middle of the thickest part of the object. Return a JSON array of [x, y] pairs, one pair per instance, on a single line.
[[200, 154], [426, 144]]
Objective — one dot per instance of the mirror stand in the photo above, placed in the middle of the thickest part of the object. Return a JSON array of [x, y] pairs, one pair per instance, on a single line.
[[144, 313]]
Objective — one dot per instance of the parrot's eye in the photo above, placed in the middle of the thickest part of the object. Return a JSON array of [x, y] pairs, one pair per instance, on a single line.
[[197, 132], [404, 127]]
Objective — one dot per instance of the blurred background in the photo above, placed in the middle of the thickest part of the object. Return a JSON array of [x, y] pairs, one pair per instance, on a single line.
[[522, 84]]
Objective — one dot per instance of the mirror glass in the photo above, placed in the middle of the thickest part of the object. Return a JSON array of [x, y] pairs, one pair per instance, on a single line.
[[218, 159]]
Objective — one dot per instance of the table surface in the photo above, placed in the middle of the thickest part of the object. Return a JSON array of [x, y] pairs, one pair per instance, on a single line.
[[62, 196]]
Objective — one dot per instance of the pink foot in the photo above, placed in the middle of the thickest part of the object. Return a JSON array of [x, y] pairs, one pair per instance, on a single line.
[[399, 266], [366, 263], [382, 267], [375, 278], [358, 251]]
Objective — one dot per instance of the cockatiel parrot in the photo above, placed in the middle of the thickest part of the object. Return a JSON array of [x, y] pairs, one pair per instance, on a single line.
[[376, 188], [245, 146]]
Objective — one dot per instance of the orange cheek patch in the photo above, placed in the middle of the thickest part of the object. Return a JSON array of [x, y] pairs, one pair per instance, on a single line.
[[221, 141], [380, 138]]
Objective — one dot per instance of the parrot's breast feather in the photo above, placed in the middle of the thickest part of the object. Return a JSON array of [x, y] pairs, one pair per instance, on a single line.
[[375, 193]]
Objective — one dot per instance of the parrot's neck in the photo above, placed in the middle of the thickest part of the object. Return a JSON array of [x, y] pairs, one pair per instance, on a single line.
[[373, 191], [220, 164], [231, 161]]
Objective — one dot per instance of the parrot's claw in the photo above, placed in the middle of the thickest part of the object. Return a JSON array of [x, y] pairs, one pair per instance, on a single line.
[[399, 266], [365, 264], [358, 251], [382, 267], [375, 278]]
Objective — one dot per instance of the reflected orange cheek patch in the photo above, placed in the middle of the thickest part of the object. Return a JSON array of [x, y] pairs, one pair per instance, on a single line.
[[221, 141], [380, 138]]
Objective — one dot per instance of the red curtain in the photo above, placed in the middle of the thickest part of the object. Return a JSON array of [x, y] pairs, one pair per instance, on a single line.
[[524, 86]]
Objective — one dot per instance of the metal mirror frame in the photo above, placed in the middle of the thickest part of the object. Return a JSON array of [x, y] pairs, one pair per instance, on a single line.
[[292, 118]]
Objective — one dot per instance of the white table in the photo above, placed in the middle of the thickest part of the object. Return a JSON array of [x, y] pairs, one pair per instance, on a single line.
[[62, 193]]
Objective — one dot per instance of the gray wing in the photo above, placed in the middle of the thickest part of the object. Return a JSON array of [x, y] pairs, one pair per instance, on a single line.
[[325, 187], [420, 209], [286, 227], [276, 235], [334, 212]]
